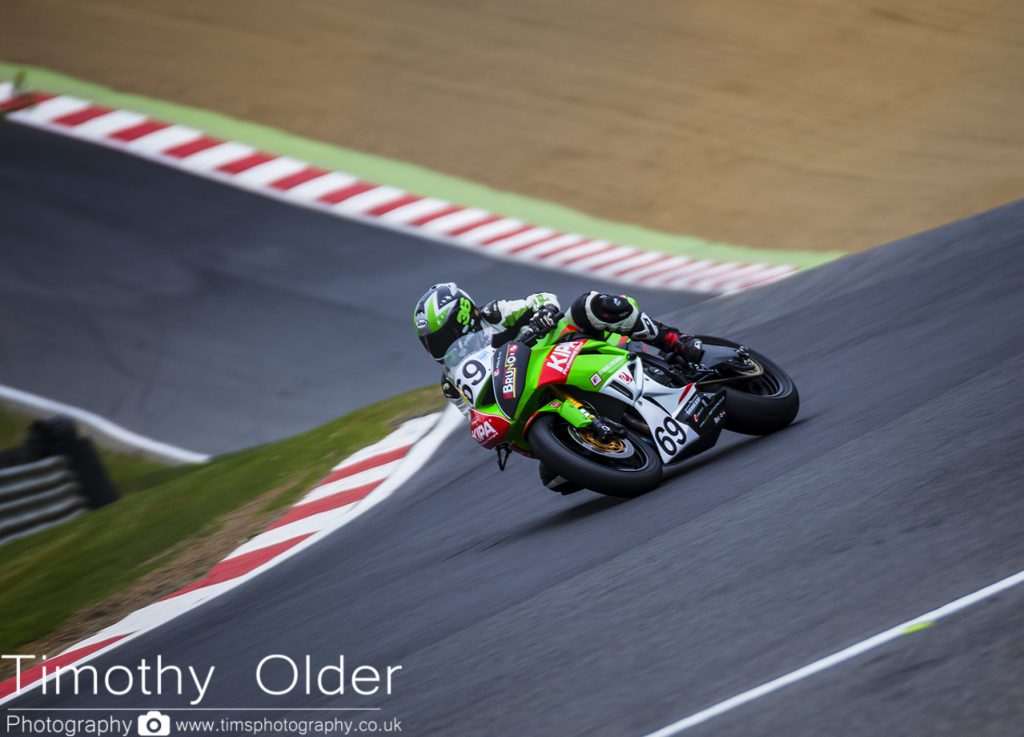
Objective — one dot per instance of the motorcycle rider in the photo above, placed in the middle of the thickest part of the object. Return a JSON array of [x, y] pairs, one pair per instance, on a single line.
[[446, 312]]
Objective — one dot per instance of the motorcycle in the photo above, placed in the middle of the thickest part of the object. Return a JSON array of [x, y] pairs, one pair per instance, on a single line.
[[605, 416]]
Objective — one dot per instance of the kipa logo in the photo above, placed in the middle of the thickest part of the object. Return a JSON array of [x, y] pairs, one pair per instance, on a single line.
[[483, 432], [561, 357]]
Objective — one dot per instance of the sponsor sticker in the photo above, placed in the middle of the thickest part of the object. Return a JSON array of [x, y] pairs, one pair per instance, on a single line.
[[508, 384], [596, 379], [488, 430], [559, 362], [508, 381], [624, 377], [483, 431], [562, 355], [612, 365], [694, 399]]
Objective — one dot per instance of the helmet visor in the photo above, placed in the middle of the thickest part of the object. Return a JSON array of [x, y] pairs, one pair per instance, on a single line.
[[437, 343]]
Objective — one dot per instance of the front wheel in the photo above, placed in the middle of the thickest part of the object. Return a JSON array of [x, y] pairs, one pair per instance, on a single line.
[[623, 466], [762, 404]]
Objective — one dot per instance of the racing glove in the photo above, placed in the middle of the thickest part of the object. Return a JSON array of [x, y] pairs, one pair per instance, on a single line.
[[541, 323], [544, 319]]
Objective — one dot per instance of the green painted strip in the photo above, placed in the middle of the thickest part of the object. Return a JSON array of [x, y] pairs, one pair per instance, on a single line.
[[917, 627], [413, 178]]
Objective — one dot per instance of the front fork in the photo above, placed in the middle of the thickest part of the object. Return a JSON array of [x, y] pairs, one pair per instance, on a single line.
[[578, 414]]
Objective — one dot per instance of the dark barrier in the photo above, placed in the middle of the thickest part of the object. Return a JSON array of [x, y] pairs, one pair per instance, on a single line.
[[54, 477]]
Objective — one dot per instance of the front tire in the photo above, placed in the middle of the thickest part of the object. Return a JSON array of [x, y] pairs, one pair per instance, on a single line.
[[552, 441]]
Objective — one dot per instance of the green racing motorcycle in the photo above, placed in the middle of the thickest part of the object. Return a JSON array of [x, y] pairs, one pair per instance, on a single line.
[[605, 416]]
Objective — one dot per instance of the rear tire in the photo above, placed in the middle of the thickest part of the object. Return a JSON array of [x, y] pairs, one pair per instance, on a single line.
[[766, 405], [551, 443]]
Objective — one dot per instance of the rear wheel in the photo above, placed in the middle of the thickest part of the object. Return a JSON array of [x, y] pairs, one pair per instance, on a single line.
[[762, 403], [623, 466]]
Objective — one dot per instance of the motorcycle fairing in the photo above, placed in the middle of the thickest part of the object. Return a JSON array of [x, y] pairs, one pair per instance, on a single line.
[[676, 416], [487, 429], [511, 363], [571, 411]]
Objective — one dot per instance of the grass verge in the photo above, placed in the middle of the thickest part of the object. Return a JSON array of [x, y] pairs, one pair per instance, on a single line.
[[45, 579]]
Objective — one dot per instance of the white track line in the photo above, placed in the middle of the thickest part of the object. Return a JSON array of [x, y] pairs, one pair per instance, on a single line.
[[839, 657], [103, 426]]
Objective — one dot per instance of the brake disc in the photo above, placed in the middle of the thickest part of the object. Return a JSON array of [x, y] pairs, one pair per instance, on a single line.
[[613, 447]]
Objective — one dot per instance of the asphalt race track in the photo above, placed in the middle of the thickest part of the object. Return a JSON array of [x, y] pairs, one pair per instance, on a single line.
[[205, 316], [514, 611]]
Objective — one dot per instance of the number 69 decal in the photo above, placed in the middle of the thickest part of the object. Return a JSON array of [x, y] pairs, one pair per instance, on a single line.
[[471, 374], [670, 437]]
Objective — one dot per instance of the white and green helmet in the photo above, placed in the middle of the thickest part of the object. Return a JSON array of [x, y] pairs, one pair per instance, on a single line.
[[443, 315]]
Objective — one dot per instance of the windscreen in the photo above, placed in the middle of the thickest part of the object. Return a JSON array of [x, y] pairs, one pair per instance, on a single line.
[[466, 346]]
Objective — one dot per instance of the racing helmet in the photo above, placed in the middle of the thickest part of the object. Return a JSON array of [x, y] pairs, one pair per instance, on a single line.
[[443, 315]]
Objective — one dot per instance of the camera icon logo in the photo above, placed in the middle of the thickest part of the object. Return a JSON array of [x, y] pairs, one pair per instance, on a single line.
[[154, 724]]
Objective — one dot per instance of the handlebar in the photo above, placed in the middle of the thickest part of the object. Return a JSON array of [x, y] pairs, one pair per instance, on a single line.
[[529, 335]]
